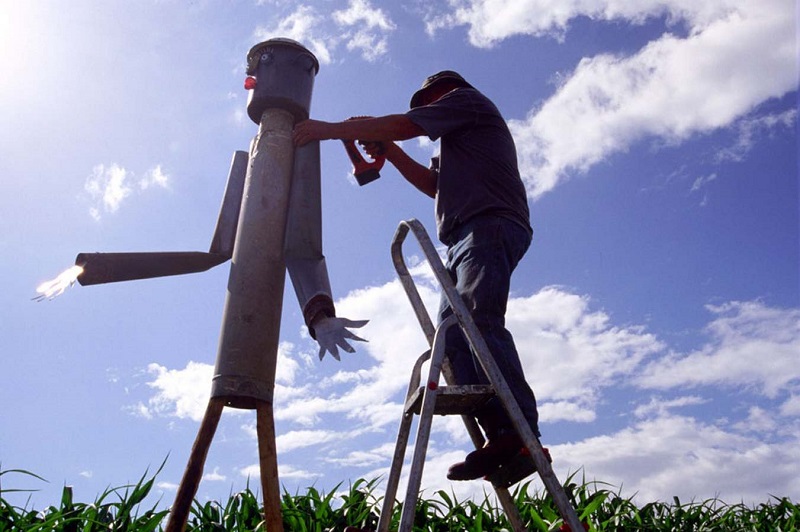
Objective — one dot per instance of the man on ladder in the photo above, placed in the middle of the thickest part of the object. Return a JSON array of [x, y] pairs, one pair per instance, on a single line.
[[481, 215]]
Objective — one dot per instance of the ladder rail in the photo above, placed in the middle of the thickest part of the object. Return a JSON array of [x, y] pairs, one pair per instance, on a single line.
[[393, 481], [427, 410], [478, 344], [475, 434], [421, 313], [405, 276], [424, 426]]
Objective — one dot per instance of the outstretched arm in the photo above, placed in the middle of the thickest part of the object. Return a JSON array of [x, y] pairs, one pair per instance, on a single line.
[[390, 127]]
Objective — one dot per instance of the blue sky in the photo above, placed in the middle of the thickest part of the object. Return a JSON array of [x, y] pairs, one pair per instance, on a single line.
[[657, 312]]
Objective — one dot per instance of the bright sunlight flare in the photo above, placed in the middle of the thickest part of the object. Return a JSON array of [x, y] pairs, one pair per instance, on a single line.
[[55, 287]]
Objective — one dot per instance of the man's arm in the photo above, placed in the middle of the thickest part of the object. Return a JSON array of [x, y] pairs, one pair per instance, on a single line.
[[385, 128], [422, 177], [390, 127]]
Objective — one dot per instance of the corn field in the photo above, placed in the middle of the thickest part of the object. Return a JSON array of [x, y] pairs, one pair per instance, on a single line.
[[602, 509]]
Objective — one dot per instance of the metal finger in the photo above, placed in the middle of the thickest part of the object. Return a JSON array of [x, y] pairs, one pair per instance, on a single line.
[[354, 324], [351, 336], [344, 345]]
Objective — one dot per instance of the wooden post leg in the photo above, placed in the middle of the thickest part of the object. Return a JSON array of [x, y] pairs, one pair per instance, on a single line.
[[194, 469], [268, 461]]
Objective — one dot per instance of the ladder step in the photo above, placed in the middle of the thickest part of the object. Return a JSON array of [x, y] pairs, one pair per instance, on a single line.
[[452, 400]]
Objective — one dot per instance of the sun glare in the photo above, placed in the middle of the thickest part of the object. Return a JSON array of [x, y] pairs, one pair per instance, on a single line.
[[55, 287], [26, 39]]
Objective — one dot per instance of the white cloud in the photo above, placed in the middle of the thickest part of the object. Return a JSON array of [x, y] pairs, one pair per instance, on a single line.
[[735, 56], [586, 356], [571, 353], [302, 26], [363, 28], [661, 407], [287, 367], [180, 393], [239, 118], [751, 345], [702, 181], [284, 472], [155, 177], [750, 129], [371, 46], [395, 341], [214, 476], [108, 186], [759, 421], [490, 21], [365, 458], [167, 486], [791, 407], [184, 393], [373, 26], [574, 356], [651, 460], [363, 13], [680, 456], [299, 439]]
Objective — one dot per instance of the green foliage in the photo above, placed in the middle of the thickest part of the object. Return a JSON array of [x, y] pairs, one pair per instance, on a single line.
[[313, 511], [122, 514]]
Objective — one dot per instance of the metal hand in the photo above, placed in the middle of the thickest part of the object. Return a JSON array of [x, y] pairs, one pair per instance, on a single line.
[[332, 334]]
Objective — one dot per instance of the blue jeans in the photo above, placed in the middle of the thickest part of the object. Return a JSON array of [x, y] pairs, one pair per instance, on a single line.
[[480, 261]]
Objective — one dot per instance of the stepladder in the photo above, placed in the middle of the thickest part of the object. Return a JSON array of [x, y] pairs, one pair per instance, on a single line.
[[426, 397]]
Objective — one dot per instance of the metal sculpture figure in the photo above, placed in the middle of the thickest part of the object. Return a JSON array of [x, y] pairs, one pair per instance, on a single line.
[[269, 222]]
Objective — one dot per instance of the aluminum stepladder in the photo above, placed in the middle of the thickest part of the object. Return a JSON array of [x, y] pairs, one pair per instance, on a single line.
[[431, 398]]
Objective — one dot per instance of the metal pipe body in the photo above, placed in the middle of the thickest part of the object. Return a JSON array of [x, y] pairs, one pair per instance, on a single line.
[[248, 348]]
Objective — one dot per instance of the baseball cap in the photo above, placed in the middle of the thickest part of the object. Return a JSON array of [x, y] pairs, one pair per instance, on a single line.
[[430, 81]]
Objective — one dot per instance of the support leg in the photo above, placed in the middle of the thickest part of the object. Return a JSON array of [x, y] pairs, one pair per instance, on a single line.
[[194, 469], [268, 462]]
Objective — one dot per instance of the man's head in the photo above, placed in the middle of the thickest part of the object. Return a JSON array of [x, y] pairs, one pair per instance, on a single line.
[[434, 87]]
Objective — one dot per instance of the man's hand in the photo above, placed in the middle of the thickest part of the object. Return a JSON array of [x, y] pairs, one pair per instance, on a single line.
[[375, 148], [331, 334], [310, 130]]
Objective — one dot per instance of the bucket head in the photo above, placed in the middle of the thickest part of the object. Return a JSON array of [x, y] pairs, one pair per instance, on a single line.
[[284, 71]]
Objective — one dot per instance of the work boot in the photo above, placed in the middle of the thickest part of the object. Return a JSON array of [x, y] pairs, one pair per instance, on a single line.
[[484, 461]]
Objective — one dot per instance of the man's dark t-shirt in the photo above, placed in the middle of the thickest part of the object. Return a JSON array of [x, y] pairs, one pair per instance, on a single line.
[[477, 163]]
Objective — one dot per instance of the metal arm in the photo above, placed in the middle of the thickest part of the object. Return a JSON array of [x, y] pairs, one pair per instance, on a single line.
[[100, 268], [304, 258]]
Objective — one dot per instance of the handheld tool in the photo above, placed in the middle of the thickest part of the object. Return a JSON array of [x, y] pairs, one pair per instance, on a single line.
[[364, 172]]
